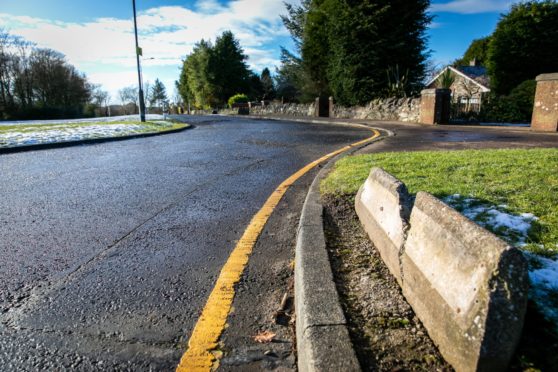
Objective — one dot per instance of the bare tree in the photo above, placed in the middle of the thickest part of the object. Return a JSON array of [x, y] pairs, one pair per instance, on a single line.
[[147, 94], [100, 97], [128, 95], [38, 83]]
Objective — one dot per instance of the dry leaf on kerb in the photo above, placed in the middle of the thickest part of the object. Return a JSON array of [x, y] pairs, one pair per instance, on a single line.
[[264, 337]]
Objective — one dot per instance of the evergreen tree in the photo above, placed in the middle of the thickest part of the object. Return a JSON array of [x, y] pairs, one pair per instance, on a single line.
[[316, 48], [292, 79], [228, 66], [477, 51], [268, 86], [256, 87], [355, 50], [524, 45], [158, 94], [369, 41], [211, 74], [196, 81]]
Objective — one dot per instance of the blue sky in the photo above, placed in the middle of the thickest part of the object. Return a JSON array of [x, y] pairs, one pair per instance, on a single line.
[[96, 35]]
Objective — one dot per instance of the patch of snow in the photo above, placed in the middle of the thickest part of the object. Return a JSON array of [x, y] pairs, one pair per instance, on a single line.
[[62, 133], [89, 120], [512, 228], [543, 274]]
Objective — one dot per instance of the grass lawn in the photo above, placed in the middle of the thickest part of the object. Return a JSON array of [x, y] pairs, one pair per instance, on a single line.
[[25, 134], [520, 183], [513, 193]]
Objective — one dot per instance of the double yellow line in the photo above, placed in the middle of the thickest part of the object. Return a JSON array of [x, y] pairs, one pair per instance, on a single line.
[[204, 339]]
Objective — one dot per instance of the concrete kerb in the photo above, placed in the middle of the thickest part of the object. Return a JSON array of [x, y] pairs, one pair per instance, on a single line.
[[323, 342], [92, 141], [325, 122]]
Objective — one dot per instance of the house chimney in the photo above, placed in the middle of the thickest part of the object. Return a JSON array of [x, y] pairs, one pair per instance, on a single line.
[[473, 62]]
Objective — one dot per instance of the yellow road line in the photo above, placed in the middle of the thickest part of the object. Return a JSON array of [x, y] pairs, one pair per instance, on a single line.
[[204, 339]]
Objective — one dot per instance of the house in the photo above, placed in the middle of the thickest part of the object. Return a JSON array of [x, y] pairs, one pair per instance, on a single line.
[[469, 85]]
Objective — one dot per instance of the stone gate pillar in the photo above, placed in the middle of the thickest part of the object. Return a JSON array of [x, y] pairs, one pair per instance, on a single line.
[[435, 106], [545, 110], [322, 107]]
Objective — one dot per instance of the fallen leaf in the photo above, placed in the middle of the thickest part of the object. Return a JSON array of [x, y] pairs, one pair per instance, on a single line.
[[264, 337]]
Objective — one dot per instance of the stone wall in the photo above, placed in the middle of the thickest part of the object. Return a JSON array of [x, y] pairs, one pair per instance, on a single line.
[[388, 109], [288, 109], [392, 109]]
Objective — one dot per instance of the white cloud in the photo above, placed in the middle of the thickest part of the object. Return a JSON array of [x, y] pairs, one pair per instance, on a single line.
[[473, 6], [104, 48]]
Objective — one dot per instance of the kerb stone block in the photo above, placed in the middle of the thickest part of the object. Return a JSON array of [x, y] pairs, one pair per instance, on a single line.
[[467, 286], [545, 110], [382, 205]]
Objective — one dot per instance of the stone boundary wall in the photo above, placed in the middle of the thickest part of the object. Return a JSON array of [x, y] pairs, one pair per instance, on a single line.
[[288, 109], [468, 287], [391, 109]]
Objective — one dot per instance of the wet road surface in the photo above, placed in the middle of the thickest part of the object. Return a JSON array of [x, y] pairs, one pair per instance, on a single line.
[[109, 251]]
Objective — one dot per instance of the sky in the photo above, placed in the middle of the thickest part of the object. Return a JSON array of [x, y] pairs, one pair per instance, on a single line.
[[97, 35]]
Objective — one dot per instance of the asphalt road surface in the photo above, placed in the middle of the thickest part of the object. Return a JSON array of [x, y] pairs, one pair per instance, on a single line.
[[109, 251]]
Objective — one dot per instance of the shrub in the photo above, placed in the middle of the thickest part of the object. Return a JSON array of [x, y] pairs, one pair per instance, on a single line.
[[516, 107], [238, 98]]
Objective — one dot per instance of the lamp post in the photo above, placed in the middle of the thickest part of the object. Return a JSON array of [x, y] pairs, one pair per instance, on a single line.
[[138, 52]]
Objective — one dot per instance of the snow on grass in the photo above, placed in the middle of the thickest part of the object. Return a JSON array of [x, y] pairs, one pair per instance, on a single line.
[[30, 135], [543, 274], [514, 228]]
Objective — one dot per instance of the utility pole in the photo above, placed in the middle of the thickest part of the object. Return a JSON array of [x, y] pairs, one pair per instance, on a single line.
[[138, 53]]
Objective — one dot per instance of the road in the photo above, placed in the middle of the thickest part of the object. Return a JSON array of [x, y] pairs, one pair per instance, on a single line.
[[109, 251]]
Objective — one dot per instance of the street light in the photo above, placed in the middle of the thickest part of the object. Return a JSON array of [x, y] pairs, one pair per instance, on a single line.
[[138, 53]]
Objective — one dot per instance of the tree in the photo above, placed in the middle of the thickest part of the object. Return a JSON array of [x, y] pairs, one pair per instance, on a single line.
[[100, 98], [316, 47], [477, 51], [158, 94], [523, 45], [38, 83], [446, 80], [292, 79], [128, 95], [355, 50], [147, 94], [371, 38], [268, 86], [213, 73], [196, 80], [228, 66], [255, 89]]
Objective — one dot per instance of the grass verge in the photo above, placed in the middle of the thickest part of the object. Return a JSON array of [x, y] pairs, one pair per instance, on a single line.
[[29, 134], [519, 181], [513, 193]]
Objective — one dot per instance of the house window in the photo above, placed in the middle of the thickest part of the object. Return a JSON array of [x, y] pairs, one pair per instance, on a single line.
[[473, 100]]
